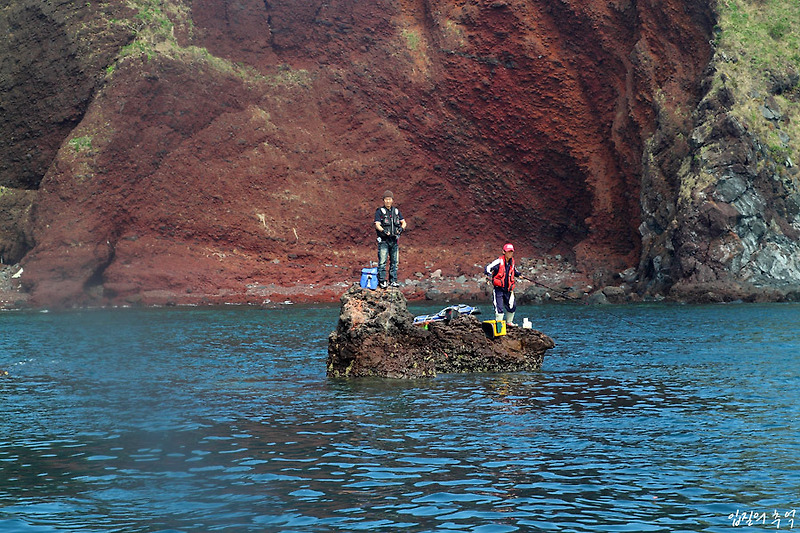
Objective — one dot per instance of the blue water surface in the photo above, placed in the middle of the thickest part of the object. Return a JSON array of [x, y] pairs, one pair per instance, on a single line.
[[643, 418]]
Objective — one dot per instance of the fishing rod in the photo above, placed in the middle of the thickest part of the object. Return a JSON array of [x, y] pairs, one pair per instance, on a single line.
[[567, 296], [562, 292]]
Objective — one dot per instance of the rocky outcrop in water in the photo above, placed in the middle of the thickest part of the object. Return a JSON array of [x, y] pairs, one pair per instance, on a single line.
[[376, 336]]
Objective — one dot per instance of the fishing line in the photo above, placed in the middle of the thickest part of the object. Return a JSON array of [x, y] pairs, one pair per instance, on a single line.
[[567, 296]]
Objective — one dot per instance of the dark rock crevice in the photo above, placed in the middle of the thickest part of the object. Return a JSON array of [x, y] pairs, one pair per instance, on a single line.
[[52, 62]]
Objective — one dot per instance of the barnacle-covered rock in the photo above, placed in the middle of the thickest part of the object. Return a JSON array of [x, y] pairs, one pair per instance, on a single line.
[[376, 336]]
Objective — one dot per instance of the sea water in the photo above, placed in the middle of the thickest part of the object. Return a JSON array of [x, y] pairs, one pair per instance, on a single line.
[[643, 418]]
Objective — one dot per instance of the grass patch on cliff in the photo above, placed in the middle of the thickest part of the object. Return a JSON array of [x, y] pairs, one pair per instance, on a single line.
[[158, 18], [412, 38], [287, 76], [81, 144], [154, 24], [761, 31], [758, 48]]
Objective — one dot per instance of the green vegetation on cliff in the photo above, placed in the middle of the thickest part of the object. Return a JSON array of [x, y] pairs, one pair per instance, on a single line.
[[154, 26], [758, 47]]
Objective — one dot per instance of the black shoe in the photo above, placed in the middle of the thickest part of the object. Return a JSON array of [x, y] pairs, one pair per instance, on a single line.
[[383, 285], [394, 284]]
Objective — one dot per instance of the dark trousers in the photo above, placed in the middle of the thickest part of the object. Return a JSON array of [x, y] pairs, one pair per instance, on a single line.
[[387, 249], [504, 301]]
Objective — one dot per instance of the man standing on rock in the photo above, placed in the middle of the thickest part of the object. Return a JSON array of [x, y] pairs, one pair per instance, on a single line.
[[389, 224], [502, 274]]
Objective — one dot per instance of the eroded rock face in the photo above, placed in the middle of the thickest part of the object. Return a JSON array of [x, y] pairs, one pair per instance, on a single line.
[[53, 57], [376, 336], [252, 149], [721, 222]]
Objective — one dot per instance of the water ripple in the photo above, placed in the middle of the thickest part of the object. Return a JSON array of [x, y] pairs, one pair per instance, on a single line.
[[204, 420]]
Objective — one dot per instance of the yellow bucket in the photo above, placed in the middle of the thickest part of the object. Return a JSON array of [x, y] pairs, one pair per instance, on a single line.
[[494, 328]]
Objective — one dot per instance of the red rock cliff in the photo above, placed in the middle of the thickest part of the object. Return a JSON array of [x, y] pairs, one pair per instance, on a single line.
[[249, 144]]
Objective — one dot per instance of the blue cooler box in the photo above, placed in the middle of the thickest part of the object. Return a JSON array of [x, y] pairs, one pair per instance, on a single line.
[[369, 278]]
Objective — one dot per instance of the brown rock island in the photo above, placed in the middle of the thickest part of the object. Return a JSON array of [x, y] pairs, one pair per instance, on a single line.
[[376, 336]]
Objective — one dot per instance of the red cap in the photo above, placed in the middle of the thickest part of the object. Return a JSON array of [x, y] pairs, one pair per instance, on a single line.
[[508, 247]]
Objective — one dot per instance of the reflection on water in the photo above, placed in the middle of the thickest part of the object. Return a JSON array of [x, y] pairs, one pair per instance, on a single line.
[[644, 418]]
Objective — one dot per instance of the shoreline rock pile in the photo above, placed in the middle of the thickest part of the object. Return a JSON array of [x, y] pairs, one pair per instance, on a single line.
[[376, 336]]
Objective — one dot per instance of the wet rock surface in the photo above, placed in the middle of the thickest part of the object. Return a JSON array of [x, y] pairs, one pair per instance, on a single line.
[[376, 336]]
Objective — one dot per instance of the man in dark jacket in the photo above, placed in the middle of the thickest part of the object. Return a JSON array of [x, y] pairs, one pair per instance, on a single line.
[[389, 224]]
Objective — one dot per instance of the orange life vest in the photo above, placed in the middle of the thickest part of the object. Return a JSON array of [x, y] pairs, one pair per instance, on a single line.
[[500, 277]]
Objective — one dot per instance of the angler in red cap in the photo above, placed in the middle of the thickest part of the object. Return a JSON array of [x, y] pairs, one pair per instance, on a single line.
[[502, 273]]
